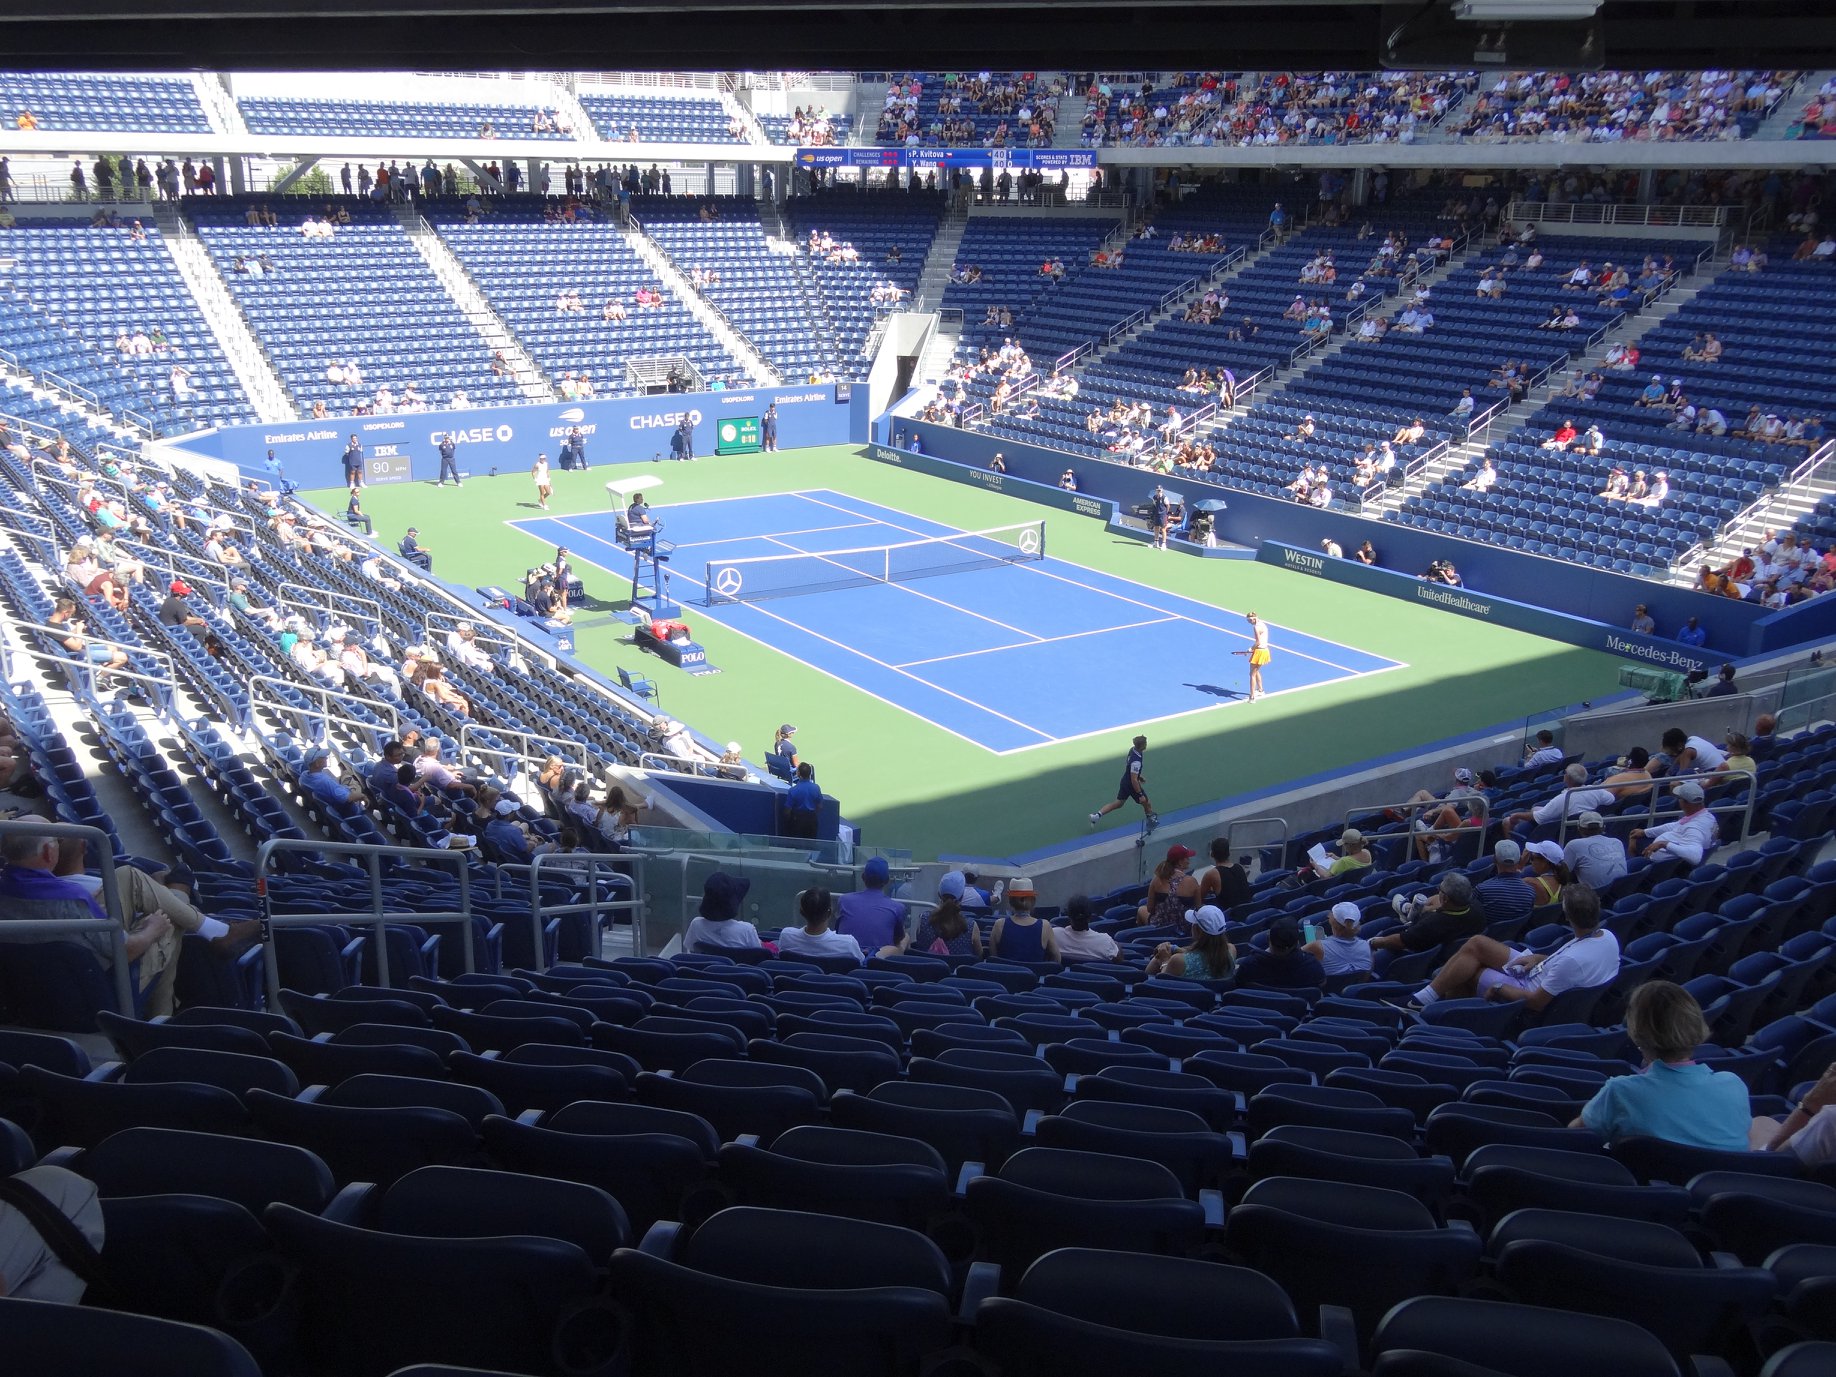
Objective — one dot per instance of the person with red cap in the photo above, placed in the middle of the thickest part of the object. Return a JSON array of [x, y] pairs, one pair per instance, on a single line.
[[1172, 891], [175, 611]]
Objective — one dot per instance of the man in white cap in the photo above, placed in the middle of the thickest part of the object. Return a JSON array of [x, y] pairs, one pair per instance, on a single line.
[[1689, 838], [1595, 857], [1339, 949], [1504, 896]]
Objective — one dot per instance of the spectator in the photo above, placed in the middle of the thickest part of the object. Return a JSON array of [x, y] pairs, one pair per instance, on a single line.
[[433, 772], [1210, 956], [322, 782], [1491, 970], [1685, 754], [1810, 1129], [65, 619], [1339, 950], [872, 919], [1434, 923], [1171, 891], [1354, 854], [1595, 857], [1739, 756], [1225, 882], [504, 829], [1575, 797], [1504, 896], [1548, 873], [1286, 965], [1021, 935], [1457, 808], [1542, 751], [1690, 838], [1077, 940], [815, 908], [717, 923], [33, 885], [462, 645], [1675, 1097], [947, 930]]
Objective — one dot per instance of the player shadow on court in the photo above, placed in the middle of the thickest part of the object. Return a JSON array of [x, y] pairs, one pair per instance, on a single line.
[[1219, 691]]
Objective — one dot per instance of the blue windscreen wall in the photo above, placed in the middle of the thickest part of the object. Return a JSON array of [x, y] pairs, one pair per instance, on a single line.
[[624, 431]]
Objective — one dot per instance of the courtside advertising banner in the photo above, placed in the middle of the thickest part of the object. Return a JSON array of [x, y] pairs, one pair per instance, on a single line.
[[405, 447]]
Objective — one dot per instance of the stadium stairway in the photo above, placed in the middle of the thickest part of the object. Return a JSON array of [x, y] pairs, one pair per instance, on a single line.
[[936, 274], [1780, 510], [755, 132], [1629, 330], [646, 248], [219, 104], [1785, 114], [564, 103], [250, 362], [530, 379]]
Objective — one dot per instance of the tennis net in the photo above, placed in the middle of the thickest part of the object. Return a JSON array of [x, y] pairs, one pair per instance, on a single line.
[[783, 576]]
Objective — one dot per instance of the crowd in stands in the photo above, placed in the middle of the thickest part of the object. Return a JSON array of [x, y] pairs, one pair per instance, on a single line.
[[1612, 107], [1547, 956], [1818, 118], [1201, 109], [985, 109]]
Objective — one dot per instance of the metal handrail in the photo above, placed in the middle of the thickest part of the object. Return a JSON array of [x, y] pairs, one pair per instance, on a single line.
[[1230, 832], [380, 915], [1804, 474], [324, 715], [598, 867], [1651, 815], [1477, 801], [102, 850], [467, 747], [127, 648], [332, 601]]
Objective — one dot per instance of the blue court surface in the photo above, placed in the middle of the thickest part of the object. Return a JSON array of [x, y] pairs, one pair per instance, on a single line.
[[1009, 656]]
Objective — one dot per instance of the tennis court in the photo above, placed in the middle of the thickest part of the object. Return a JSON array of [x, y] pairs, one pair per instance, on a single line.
[[1003, 646]]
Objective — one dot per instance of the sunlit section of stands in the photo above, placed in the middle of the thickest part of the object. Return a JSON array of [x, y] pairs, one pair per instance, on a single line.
[[522, 264], [418, 119], [875, 225], [101, 101], [364, 295], [656, 118], [109, 289]]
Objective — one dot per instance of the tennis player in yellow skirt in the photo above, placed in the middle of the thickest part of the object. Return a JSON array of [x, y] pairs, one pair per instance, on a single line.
[[1258, 654]]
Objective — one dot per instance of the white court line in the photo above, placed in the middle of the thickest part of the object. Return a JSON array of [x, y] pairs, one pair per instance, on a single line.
[[1192, 712], [905, 588], [1049, 739], [809, 530], [826, 673], [1034, 568], [1043, 640]]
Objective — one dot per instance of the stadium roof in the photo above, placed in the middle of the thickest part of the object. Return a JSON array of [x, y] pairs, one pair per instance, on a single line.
[[874, 35]]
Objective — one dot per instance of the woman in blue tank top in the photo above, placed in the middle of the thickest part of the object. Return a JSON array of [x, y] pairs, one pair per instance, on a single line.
[[1021, 936]]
